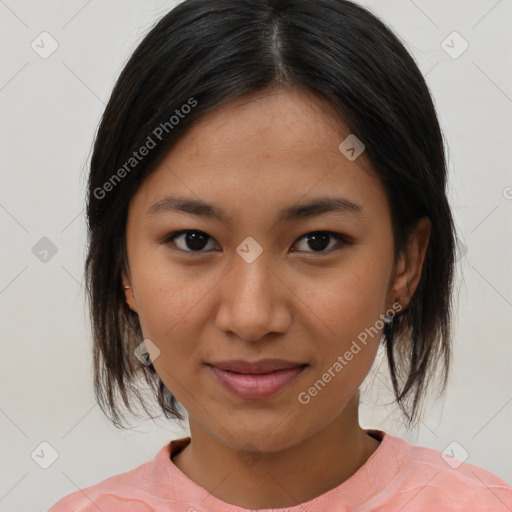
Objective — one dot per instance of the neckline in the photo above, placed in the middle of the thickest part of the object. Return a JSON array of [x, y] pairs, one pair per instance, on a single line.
[[371, 478], [177, 445]]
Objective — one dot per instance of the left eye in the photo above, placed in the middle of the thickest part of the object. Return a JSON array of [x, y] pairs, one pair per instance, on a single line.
[[319, 240], [196, 240]]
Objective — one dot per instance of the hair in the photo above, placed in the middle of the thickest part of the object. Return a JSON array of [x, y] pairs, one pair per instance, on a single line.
[[208, 52]]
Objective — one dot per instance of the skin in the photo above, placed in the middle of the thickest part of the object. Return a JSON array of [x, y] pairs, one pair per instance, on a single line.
[[252, 157]]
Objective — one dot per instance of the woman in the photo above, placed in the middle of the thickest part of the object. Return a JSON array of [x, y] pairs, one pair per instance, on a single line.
[[266, 206]]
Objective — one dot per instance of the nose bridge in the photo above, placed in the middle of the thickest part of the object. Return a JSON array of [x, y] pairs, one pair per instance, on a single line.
[[251, 299], [251, 279]]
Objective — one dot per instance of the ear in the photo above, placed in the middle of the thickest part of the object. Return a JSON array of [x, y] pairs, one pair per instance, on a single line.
[[128, 292], [408, 270]]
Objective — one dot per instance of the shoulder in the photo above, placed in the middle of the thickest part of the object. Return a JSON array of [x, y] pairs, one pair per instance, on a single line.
[[126, 491], [430, 478]]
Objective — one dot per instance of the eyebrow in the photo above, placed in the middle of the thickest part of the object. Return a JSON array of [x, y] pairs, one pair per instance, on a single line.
[[318, 206]]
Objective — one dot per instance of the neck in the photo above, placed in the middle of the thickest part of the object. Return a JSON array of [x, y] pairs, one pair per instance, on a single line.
[[286, 477]]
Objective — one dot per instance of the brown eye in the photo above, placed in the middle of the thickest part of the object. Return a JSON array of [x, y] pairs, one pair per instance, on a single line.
[[189, 240], [318, 241]]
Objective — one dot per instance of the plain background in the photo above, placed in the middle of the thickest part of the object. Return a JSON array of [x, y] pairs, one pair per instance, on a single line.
[[50, 109]]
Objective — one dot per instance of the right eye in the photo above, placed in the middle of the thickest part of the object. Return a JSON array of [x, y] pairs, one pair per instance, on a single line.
[[193, 239]]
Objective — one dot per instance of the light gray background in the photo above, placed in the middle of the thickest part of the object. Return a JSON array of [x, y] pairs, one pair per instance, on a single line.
[[50, 109]]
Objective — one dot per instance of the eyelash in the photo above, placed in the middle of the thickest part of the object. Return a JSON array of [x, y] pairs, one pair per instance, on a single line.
[[339, 237]]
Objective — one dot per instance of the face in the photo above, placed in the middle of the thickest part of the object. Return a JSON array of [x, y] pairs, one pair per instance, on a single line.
[[246, 283]]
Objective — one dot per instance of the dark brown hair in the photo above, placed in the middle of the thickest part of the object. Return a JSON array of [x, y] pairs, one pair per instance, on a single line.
[[204, 53]]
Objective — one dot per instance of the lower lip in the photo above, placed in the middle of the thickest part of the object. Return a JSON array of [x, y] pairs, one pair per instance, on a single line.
[[255, 386]]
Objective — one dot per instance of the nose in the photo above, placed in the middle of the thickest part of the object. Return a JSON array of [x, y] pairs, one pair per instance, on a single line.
[[255, 301]]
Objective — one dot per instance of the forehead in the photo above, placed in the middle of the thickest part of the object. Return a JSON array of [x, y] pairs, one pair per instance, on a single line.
[[262, 151], [277, 120]]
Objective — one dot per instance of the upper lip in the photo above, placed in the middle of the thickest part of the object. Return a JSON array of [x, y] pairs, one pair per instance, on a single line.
[[262, 366]]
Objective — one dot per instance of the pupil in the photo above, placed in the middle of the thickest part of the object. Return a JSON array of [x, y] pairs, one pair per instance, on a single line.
[[195, 241], [318, 241]]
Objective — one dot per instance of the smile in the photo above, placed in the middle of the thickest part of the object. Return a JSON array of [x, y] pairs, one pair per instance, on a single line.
[[252, 386]]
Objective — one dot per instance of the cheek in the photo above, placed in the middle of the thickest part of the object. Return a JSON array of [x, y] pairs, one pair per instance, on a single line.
[[350, 300], [346, 350], [349, 304], [165, 303]]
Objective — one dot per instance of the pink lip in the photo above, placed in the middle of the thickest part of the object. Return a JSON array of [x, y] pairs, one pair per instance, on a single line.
[[255, 386], [261, 366]]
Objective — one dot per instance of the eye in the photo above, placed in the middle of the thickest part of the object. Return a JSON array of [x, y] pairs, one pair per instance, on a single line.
[[189, 240], [319, 240], [194, 240]]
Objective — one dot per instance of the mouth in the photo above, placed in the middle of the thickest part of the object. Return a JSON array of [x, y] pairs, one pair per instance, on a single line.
[[251, 381], [256, 367]]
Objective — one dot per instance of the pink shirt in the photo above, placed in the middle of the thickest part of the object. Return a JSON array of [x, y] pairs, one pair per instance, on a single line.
[[397, 477]]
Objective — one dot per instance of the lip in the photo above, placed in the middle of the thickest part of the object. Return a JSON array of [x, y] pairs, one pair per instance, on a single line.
[[257, 384], [261, 366]]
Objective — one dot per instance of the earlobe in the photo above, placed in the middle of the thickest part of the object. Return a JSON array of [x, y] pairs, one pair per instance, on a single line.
[[128, 293]]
